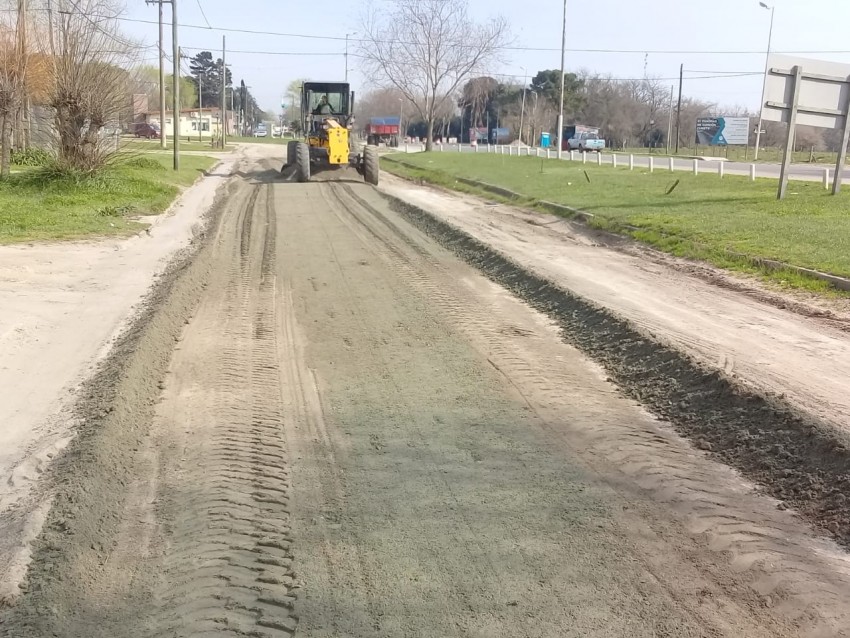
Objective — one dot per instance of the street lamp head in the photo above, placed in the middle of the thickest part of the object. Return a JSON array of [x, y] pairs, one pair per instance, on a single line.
[[762, 4]]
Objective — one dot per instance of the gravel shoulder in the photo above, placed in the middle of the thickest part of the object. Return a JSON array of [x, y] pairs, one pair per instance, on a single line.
[[64, 306], [804, 358]]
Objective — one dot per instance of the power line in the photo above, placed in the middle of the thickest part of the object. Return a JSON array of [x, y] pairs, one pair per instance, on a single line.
[[607, 79], [203, 14], [109, 35], [268, 52], [505, 48], [309, 36]]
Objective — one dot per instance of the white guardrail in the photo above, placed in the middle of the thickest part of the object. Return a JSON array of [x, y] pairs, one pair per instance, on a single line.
[[632, 161]]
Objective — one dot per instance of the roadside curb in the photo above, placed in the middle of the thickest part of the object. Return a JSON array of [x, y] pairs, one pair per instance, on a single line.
[[836, 281]]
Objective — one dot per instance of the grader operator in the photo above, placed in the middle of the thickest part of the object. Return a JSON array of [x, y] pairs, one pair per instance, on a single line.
[[327, 120]]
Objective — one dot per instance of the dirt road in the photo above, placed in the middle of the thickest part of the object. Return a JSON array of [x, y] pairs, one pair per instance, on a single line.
[[328, 424]]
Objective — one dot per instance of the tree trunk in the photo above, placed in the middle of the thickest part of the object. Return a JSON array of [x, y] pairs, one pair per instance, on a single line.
[[19, 128], [5, 143], [429, 139]]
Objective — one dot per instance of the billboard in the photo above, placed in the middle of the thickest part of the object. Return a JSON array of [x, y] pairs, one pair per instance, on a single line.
[[723, 131], [824, 91]]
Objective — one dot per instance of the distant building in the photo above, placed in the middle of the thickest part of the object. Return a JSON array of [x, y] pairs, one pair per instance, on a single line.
[[202, 123]]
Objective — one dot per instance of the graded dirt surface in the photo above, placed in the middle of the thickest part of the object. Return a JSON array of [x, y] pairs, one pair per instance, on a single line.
[[63, 305], [327, 424], [767, 347]]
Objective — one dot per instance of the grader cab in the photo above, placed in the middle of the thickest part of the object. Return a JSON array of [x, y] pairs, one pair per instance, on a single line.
[[327, 120]]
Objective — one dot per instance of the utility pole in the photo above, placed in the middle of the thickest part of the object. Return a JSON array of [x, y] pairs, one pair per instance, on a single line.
[[679, 107], [162, 133], [175, 91], [200, 106], [23, 106], [346, 54], [522, 109], [223, 114], [670, 120], [50, 28], [561, 105]]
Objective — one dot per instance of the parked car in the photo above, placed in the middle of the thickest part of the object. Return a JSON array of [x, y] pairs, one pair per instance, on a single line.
[[277, 131], [583, 139], [261, 131], [148, 131]]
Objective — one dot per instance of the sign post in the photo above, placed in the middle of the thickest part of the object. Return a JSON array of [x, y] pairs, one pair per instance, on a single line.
[[812, 93], [797, 72]]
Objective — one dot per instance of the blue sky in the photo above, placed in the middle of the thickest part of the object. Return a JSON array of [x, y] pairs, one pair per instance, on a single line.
[[696, 32]]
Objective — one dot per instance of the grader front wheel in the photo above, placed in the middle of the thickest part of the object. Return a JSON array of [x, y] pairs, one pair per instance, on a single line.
[[370, 164], [302, 162]]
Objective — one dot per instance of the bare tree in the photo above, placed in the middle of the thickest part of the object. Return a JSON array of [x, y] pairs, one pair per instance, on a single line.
[[92, 83], [13, 67], [426, 49]]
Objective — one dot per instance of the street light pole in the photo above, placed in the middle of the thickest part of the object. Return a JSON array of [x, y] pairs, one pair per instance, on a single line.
[[561, 105], [400, 119], [346, 54], [522, 109], [766, 63]]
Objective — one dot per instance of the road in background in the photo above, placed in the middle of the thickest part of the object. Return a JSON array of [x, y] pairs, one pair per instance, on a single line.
[[707, 165]]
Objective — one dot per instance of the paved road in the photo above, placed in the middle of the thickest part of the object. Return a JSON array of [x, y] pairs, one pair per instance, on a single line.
[[806, 172]]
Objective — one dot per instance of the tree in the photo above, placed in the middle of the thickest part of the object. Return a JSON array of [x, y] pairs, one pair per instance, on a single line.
[[547, 85], [11, 90], [427, 49], [206, 77], [292, 97], [188, 92], [91, 84]]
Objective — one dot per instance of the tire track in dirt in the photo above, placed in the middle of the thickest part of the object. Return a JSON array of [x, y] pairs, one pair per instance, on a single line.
[[228, 565], [763, 545]]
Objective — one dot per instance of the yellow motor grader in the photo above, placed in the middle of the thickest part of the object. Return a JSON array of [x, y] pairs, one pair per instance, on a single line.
[[327, 120]]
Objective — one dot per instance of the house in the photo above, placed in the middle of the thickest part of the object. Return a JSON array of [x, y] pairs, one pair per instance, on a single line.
[[195, 123]]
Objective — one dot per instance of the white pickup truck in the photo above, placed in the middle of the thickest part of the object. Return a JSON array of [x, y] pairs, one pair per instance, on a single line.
[[583, 138]]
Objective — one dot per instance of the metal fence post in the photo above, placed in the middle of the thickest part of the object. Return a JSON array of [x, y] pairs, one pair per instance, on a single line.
[[696, 167], [826, 178], [599, 159], [631, 162], [672, 164], [651, 164], [752, 172], [584, 158], [720, 169], [614, 160]]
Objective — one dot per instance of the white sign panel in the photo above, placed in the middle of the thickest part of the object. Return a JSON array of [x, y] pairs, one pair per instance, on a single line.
[[817, 94], [736, 130]]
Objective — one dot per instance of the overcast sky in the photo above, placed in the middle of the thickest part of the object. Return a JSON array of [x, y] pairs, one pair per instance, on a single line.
[[710, 37]]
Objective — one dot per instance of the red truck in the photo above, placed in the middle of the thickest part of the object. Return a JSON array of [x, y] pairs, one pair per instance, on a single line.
[[383, 130]]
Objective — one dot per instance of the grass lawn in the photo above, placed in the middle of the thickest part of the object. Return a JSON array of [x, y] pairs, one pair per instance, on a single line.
[[33, 207], [703, 217]]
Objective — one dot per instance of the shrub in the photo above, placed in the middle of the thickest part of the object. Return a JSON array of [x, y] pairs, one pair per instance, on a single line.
[[30, 157]]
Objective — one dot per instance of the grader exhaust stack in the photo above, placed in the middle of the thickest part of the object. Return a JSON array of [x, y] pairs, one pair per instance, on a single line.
[[327, 120]]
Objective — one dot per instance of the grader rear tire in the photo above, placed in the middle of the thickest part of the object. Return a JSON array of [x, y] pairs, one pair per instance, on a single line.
[[290, 152], [302, 161], [370, 164]]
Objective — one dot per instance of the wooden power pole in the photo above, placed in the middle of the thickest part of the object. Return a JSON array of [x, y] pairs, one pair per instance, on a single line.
[[222, 116]]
